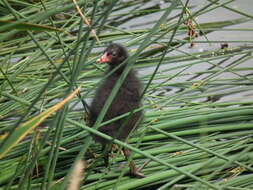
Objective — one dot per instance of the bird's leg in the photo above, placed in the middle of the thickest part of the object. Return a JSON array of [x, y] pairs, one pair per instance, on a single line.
[[106, 153], [106, 159], [136, 172]]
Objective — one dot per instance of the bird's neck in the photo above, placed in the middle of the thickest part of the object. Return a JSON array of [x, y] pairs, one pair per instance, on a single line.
[[118, 70]]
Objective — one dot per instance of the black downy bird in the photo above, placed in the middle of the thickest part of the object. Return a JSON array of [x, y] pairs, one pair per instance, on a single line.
[[126, 100]]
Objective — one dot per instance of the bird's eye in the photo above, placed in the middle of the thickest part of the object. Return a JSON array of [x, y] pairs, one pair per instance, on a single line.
[[113, 53]]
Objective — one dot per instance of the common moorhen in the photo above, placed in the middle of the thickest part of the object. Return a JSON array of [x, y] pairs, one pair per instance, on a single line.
[[126, 100]]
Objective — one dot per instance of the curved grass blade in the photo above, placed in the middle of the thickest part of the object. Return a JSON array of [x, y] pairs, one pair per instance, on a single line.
[[25, 26], [20, 132]]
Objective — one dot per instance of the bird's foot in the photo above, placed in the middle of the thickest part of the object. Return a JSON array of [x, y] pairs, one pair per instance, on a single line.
[[93, 154], [114, 148], [136, 172]]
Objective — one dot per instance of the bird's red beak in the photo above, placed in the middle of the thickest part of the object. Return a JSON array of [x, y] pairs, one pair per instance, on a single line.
[[104, 58]]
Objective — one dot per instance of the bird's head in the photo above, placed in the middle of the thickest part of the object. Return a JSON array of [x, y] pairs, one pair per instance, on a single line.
[[114, 55]]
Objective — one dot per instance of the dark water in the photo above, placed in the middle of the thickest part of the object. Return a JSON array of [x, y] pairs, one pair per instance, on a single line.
[[230, 35]]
